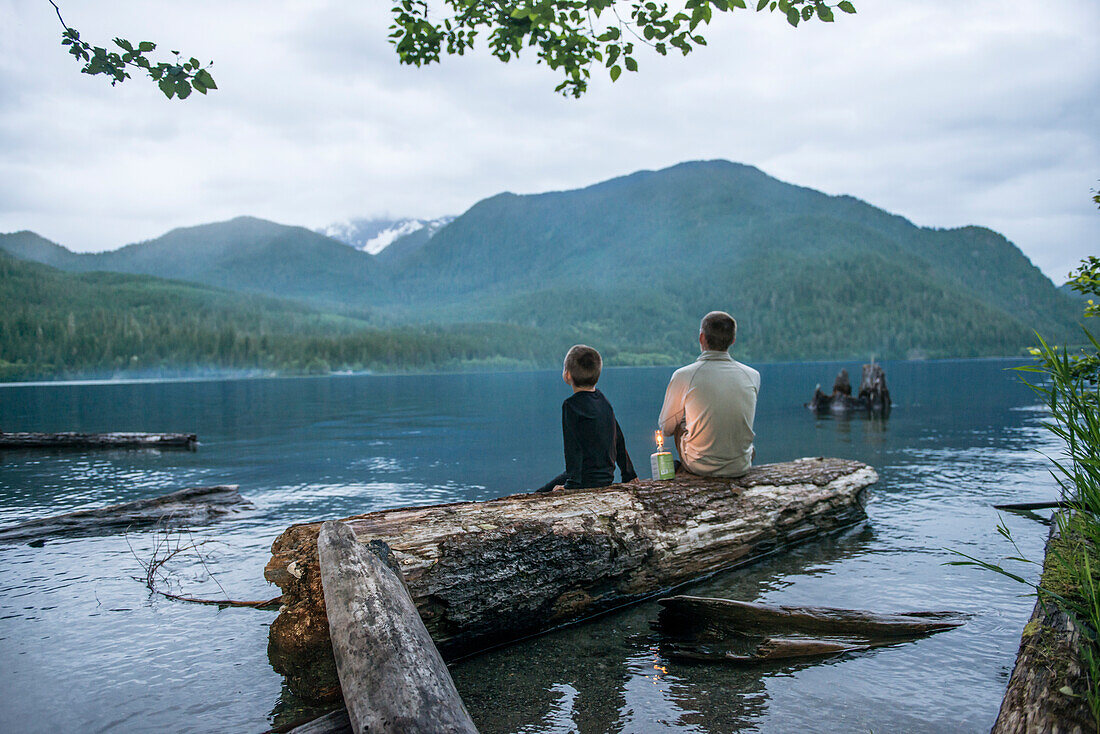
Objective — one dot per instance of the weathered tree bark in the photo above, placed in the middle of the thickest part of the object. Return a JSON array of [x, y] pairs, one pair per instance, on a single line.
[[193, 506], [1049, 661], [873, 396], [747, 632], [482, 573], [392, 677], [97, 440]]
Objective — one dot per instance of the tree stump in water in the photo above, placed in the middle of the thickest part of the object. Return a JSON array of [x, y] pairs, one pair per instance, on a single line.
[[873, 397], [482, 573]]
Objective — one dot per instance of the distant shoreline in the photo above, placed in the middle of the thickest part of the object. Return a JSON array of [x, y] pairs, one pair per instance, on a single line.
[[234, 376]]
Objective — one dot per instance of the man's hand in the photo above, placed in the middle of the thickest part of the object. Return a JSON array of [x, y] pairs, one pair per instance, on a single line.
[[557, 487]]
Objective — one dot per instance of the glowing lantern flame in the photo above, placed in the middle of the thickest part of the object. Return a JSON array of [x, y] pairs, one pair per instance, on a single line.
[[660, 438]]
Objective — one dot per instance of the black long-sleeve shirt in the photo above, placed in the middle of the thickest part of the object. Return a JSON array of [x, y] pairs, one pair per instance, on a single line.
[[594, 442]]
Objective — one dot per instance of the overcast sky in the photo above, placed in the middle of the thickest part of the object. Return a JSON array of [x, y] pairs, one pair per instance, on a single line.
[[949, 113]]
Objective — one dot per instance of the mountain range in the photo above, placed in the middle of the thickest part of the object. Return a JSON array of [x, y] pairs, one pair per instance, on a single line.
[[630, 265]]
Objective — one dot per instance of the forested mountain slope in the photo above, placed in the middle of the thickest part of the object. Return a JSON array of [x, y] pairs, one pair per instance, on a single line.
[[630, 264]]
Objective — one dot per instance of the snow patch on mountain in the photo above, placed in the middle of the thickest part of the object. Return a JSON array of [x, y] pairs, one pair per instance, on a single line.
[[374, 235]]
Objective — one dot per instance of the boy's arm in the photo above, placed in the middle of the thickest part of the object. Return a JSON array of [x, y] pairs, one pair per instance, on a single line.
[[622, 458], [574, 457]]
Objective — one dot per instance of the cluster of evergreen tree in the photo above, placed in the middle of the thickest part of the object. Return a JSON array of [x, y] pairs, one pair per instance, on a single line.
[[56, 324]]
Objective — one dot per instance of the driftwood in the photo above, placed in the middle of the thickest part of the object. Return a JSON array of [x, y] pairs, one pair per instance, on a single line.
[[193, 506], [483, 573], [98, 440], [392, 677], [873, 397], [1046, 691], [334, 722], [747, 632], [1029, 506]]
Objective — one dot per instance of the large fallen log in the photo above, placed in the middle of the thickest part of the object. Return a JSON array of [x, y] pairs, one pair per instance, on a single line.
[[98, 440], [392, 677], [193, 506], [1046, 692], [748, 632], [483, 573]]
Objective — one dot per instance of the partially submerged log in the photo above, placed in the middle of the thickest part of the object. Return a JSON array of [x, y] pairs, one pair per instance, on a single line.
[[98, 440], [192, 506], [391, 674], [1046, 692], [483, 573], [873, 397], [748, 632]]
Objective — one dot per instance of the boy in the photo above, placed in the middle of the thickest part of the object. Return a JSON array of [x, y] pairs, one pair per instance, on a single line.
[[594, 442]]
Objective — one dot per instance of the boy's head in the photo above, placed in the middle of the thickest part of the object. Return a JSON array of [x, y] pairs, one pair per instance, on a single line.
[[582, 366]]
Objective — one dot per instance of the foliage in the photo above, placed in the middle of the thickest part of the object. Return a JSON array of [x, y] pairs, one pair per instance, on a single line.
[[571, 36], [175, 79]]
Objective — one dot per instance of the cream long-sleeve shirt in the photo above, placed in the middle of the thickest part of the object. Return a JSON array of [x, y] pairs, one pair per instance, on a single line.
[[714, 399]]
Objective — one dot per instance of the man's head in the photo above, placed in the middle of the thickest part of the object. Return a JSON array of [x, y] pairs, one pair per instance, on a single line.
[[718, 331], [582, 366]]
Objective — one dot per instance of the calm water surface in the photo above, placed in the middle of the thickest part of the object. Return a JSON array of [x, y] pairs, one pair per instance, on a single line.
[[84, 647]]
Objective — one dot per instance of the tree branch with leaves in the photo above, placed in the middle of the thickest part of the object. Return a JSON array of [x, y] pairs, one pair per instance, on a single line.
[[175, 79], [572, 36]]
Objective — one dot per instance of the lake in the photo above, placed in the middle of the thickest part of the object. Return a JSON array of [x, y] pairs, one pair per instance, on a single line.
[[85, 647]]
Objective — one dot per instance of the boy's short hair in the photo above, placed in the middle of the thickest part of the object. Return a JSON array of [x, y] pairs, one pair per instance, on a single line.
[[719, 330], [583, 363]]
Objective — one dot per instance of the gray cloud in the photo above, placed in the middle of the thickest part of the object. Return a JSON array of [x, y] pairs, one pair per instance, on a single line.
[[946, 113]]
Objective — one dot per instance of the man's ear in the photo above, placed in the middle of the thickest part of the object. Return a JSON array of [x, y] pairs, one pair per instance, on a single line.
[[702, 342], [568, 378]]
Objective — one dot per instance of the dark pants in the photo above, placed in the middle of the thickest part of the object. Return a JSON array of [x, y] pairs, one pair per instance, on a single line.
[[549, 486]]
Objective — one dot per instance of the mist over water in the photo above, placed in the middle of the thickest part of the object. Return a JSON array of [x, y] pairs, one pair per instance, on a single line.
[[85, 647]]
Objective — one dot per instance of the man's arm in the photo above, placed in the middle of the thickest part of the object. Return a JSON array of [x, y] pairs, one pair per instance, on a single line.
[[672, 412], [622, 458]]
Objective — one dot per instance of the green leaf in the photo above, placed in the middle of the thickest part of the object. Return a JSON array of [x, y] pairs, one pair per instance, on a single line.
[[793, 17], [615, 72], [167, 86], [846, 6], [825, 13], [761, 5], [146, 46], [631, 64]]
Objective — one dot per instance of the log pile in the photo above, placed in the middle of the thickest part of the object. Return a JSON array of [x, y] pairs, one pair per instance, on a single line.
[[483, 573], [192, 506], [98, 440], [873, 397]]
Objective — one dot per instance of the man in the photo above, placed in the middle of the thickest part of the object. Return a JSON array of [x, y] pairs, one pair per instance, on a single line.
[[710, 404]]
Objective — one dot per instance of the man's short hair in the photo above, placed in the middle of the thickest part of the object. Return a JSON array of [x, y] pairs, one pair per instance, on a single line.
[[718, 330], [583, 363]]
